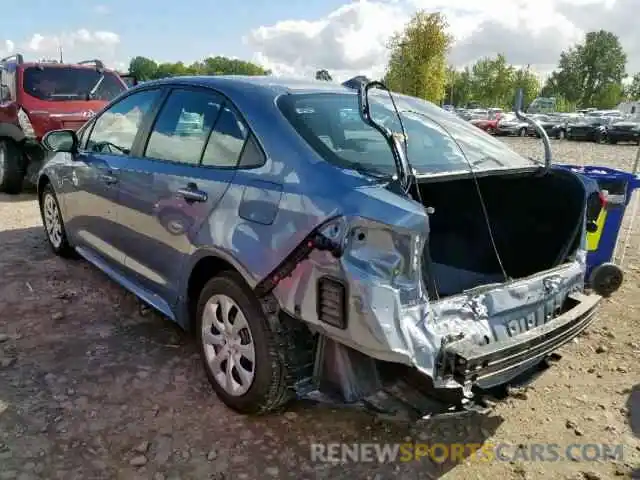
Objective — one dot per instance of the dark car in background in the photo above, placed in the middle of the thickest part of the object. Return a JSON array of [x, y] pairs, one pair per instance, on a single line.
[[587, 128], [627, 130], [548, 122]]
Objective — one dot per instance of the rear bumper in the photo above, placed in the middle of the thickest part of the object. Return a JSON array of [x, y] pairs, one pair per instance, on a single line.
[[467, 362]]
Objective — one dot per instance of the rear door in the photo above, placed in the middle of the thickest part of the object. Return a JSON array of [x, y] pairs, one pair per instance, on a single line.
[[92, 184], [175, 181]]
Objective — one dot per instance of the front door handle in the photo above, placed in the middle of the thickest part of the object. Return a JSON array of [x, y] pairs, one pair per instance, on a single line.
[[109, 178], [191, 193]]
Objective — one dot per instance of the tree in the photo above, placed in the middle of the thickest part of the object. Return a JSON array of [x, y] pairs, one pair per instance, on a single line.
[[591, 73], [146, 69], [632, 92], [143, 68], [493, 81], [323, 75], [417, 62]]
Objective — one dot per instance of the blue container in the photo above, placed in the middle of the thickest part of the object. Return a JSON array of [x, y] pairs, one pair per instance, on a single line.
[[617, 187]]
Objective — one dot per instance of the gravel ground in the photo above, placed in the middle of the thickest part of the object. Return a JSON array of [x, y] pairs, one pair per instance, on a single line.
[[91, 386]]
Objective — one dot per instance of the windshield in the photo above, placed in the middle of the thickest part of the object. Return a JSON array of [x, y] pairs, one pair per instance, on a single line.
[[70, 83], [437, 142]]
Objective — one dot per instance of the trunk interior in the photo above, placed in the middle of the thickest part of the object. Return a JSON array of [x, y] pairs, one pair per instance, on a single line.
[[535, 221]]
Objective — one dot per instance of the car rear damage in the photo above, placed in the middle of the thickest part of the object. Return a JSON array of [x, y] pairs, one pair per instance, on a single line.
[[392, 337]]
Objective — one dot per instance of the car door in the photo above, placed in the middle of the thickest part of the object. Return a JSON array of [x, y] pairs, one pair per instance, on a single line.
[[91, 199], [175, 181]]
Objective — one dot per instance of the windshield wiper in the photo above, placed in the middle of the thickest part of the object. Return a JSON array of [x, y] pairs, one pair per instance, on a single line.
[[95, 87]]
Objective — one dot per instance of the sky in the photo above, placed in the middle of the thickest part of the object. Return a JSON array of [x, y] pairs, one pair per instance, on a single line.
[[298, 37]]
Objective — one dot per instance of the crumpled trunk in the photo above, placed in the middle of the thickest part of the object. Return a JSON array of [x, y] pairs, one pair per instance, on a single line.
[[535, 221]]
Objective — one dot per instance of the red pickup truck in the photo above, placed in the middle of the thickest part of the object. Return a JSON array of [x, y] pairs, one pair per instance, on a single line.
[[36, 97]]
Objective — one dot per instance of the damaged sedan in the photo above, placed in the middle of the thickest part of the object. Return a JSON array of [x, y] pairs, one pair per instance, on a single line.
[[326, 242]]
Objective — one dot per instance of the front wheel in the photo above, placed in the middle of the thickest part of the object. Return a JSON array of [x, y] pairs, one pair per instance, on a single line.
[[53, 223], [11, 167], [242, 351]]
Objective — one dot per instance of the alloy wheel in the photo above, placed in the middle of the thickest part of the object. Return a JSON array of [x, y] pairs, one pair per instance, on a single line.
[[3, 161], [52, 220], [228, 345]]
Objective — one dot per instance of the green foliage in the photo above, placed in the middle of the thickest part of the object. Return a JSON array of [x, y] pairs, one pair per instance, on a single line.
[[564, 105], [146, 69], [417, 64], [632, 92], [491, 82], [590, 74]]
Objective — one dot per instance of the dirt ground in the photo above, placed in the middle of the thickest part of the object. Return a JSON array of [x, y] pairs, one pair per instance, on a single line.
[[92, 387]]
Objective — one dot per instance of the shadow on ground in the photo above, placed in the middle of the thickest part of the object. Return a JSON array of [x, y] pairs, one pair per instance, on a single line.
[[93, 386]]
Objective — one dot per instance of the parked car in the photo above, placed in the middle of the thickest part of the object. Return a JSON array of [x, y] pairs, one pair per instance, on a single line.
[[587, 128], [323, 257], [548, 122], [489, 123], [36, 97], [509, 124], [627, 130]]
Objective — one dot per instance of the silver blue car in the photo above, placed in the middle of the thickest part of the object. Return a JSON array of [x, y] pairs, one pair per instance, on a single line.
[[342, 244]]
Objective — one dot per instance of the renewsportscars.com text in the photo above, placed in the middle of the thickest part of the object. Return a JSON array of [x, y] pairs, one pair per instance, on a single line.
[[456, 452]]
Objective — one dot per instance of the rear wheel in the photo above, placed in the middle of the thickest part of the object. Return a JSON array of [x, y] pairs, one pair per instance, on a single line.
[[243, 352], [11, 167]]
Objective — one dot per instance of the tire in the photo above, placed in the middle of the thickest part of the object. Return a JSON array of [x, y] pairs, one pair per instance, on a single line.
[[522, 132], [268, 385], [606, 279], [50, 211], [12, 169]]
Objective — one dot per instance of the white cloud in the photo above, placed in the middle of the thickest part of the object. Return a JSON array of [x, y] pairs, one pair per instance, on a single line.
[[351, 40], [82, 44]]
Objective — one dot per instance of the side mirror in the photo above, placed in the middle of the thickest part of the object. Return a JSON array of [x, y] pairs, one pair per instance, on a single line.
[[61, 141], [5, 94]]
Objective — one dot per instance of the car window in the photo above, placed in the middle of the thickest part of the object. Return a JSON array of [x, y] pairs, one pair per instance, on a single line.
[[8, 79], [183, 126], [437, 142], [57, 83], [226, 140], [252, 155], [115, 130]]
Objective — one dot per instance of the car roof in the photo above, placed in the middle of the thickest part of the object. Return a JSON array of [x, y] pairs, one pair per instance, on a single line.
[[270, 85]]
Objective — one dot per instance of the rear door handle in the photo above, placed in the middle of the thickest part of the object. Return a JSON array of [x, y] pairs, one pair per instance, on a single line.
[[192, 194]]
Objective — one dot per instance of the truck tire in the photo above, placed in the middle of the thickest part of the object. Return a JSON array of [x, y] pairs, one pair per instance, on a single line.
[[11, 167]]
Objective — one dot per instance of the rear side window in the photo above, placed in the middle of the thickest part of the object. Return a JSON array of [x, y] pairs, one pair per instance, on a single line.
[[183, 125], [227, 139], [58, 83]]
